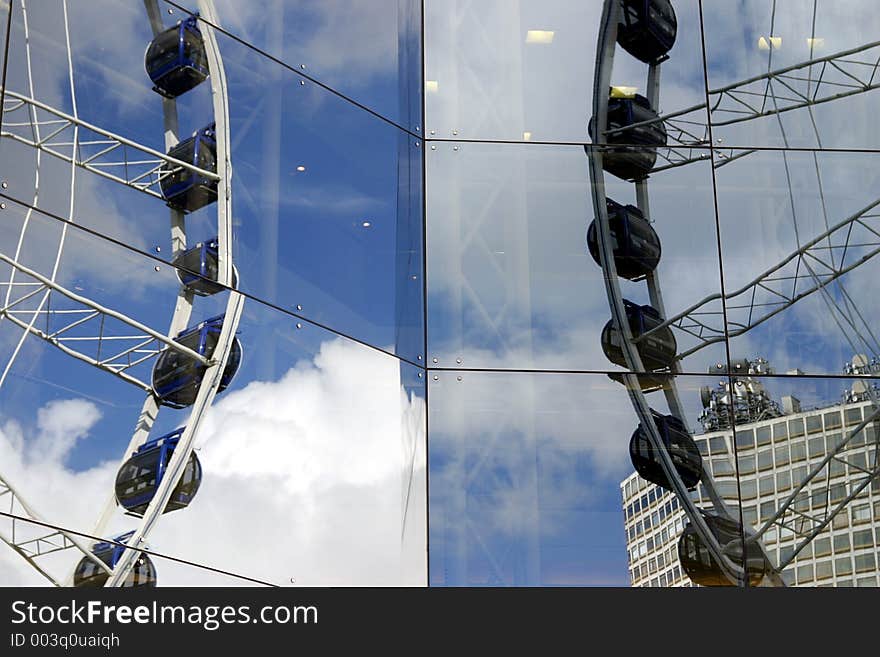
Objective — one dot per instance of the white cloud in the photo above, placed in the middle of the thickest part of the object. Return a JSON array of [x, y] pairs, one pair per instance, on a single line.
[[304, 478], [60, 424], [308, 477], [32, 457]]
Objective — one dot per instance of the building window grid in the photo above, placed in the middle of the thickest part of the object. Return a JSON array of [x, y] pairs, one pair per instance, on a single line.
[[671, 524]]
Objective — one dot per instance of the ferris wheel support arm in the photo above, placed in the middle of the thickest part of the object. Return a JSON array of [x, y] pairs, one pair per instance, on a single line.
[[32, 548], [858, 86], [820, 527], [777, 518], [97, 311], [142, 170], [745, 100], [871, 473], [759, 309]]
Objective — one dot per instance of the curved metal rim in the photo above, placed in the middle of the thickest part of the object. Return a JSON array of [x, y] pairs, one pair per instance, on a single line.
[[183, 308], [605, 50]]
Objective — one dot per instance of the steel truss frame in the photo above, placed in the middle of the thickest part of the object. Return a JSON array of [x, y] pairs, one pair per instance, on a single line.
[[806, 84], [94, 149], [82, 323], [808, 269], [98, 335]]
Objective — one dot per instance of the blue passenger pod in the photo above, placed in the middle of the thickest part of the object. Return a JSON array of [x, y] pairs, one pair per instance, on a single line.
[[681, 447], [177, 377], [88, 574], [634, 242], [140, 476], [633, 150], [184, 189], [647, 29], [176, 60], [197, 268]]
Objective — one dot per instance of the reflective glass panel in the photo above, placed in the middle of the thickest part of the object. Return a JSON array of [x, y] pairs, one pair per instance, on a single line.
[[524, 71], [526, 484], [325, 197], [316, 438], [799, 241], [511, 281], [367, 51], [822, 56]]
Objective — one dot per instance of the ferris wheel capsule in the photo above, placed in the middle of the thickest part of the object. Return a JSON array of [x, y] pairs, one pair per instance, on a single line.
[[632, 151], [647, 29], [197, 268], [682, 450], [657, 351], [176, 60], [184, 189], [636, 245], [140, 476], [177, 377], [702, 568], [88, 574]]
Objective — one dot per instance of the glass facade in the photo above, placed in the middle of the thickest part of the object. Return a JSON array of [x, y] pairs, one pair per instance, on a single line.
[[455, 293]]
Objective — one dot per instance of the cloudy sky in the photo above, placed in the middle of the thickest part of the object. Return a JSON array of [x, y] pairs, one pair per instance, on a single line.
[[314, 459]]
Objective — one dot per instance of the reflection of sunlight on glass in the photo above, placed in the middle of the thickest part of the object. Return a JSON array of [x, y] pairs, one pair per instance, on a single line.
[[623, 92], [765, 43], [815, 42], [539, 36], [431, 86], [300, 168], [527, 136], [366, 223]]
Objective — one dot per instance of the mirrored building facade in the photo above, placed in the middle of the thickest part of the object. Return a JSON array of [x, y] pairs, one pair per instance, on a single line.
[[398, 292]]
